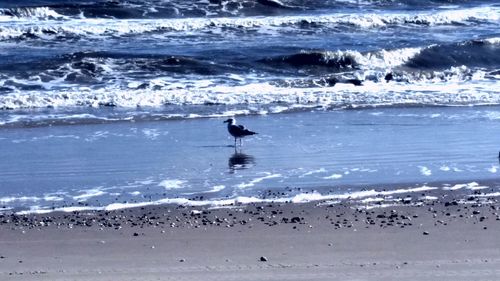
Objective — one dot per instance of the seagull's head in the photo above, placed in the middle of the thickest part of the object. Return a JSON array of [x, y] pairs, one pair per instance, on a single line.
[[230, 121]]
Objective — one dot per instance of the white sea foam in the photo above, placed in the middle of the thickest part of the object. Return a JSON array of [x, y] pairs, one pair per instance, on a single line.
[[257, 180], [333, 177], [55, 198], [370, 93], [116, 27], [11, 199], [494, 40], [144, 182], [387, 205], [385, 59], [445, 168], [216, 188], [371, 200], [172, 184], [38, 210], [52, 197], [493, 194], [493, 169], [425, 171], [87, 194], [26, 14], [135, 193], [428, 198], [48, 137], [318, 171], [470, 186], [151, 134], [455, 187], [475, 186], [97, 136], [299, 198]]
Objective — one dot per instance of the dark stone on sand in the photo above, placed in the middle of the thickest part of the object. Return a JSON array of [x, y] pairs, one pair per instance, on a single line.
[[426, 233], [263, 259], [388, 77], [476, 212], [331, 81], [136, 234], [295, 220], [182, 260], [355, 82]]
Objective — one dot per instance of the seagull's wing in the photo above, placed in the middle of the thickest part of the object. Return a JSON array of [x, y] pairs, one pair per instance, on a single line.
[[246, 131], [240, 131]]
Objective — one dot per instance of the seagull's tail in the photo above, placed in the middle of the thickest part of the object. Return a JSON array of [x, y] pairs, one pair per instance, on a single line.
[[249, 133]]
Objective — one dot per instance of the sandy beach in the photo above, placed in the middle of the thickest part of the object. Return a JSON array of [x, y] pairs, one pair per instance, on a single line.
[[449, 238]]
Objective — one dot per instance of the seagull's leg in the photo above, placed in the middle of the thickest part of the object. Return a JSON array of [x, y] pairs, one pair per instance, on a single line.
[[235, 142], [240, 141]]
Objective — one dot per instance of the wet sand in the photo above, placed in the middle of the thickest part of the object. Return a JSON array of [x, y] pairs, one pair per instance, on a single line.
[[454, 237]]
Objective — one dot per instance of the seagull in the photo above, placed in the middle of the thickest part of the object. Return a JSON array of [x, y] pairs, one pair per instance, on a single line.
[[237, 131]]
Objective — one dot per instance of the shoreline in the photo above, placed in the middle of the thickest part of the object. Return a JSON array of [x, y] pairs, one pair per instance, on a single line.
[[354, 194], [445, 239]]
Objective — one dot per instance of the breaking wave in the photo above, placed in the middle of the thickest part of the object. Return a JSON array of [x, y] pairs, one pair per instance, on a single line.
[[39, 13], [346, 95], [88, 28], [324, 78], [471, 53]]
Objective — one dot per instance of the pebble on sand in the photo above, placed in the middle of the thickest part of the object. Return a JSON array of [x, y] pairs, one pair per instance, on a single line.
[[263, 258]]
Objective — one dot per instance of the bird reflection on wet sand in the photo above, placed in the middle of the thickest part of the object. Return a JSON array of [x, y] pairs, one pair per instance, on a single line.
[[240, 161]]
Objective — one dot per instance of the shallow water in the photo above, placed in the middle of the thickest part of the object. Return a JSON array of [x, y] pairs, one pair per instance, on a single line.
[[332, 152], [123, 101]]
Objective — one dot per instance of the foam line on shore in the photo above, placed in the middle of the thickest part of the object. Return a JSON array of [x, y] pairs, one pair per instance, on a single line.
[[470, 186], [299, 198]]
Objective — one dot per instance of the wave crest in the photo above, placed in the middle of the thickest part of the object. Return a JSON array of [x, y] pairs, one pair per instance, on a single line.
[[88, 28], [41, 13]]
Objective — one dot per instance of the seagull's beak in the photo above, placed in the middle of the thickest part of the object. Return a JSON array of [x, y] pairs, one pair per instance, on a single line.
[[225, 121]]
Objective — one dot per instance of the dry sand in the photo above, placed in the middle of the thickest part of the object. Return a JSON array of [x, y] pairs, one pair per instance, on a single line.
[[442, 239]]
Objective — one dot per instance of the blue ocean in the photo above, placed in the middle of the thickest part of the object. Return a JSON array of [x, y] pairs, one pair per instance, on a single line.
[[110, 104]]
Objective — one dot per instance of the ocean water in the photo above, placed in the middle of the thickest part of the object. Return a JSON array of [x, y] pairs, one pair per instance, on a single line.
[[107, 102]]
